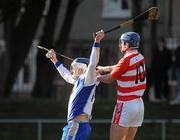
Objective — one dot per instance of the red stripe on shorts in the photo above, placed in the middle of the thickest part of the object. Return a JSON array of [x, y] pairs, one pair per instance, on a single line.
[[117, 113]]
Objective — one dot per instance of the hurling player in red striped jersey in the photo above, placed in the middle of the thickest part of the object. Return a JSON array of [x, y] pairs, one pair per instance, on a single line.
[[130, 74]]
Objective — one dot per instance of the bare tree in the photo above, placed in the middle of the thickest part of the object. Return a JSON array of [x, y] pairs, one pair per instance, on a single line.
[[43, 83], [20, 39], [20, 30], [136, 10], [43, 86], [8, 13]]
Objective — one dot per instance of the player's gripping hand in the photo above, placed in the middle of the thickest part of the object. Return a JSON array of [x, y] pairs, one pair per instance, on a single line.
[[51, 54], [99, 36], [102, 70]]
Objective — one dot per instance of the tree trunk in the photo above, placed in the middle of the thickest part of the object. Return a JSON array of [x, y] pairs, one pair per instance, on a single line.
[[66, 26], [153, 40], [137, 26], [8, 17], [153, 32], [21, 40], [43, 84]]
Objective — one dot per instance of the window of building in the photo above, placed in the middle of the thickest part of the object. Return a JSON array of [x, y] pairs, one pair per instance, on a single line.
[[116, 9]]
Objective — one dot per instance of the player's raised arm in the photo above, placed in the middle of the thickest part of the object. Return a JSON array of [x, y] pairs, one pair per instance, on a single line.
[[90, 75], [65, 73]]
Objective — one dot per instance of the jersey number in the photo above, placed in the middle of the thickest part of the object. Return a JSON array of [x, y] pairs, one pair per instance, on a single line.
[[140, 72]]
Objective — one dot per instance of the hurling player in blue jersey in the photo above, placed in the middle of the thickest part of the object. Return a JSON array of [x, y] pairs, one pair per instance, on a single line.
[[82, 75]]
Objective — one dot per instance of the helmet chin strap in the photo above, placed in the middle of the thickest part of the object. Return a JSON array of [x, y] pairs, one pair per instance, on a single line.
[[77, 74], [75, 77]]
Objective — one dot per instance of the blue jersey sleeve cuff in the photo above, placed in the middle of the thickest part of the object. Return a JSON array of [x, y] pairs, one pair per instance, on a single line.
[[97, 45], [58, 63]]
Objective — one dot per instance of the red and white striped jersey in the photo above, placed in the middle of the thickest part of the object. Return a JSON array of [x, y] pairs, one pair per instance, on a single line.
[[130, 73]]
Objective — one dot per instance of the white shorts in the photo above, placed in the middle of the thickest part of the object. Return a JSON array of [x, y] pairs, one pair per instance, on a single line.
[[129, 113]]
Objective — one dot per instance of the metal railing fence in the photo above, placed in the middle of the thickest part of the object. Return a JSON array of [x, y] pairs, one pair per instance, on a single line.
[[40, 122]]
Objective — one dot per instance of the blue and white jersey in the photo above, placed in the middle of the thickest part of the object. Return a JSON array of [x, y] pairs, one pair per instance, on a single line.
[[81, 99], [83, 93]]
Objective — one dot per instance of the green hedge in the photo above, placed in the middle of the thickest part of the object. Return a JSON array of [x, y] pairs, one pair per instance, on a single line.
[[43, 108]]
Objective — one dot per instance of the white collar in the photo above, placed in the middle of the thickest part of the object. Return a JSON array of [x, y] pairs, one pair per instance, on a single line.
[[129, 52]]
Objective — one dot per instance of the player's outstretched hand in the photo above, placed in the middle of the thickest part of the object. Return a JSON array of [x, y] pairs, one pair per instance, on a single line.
[[51, 54]]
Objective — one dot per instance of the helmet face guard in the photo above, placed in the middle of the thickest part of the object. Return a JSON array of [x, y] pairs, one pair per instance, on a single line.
[[79, 63], [131, 37]]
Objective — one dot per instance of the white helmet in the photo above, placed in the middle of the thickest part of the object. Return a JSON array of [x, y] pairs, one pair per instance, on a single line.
[[78, 63]]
